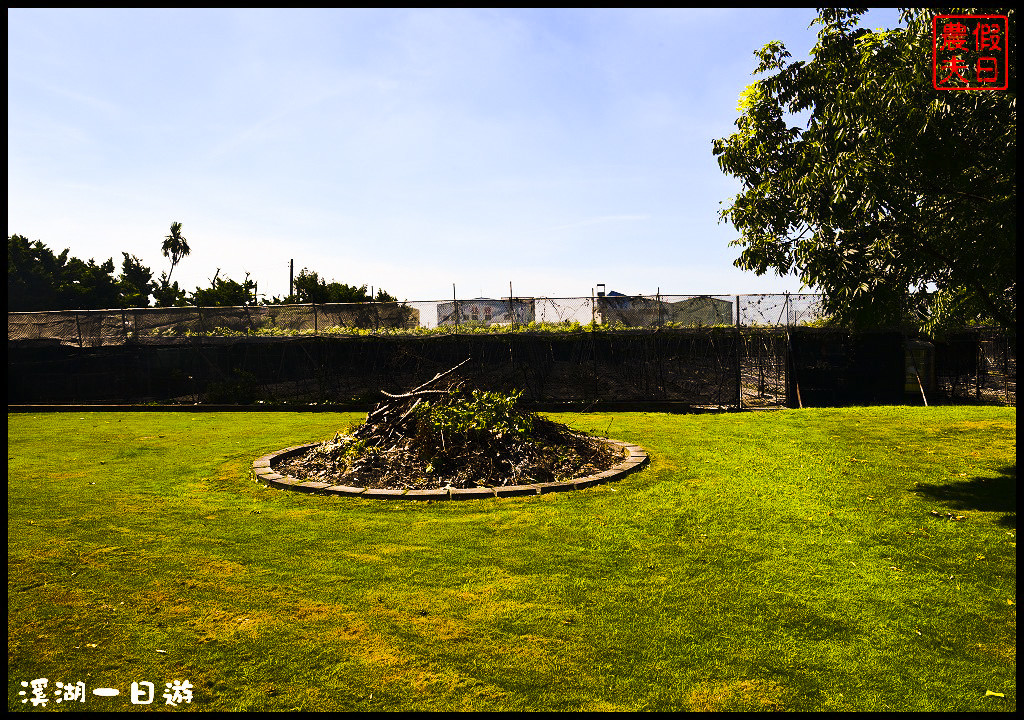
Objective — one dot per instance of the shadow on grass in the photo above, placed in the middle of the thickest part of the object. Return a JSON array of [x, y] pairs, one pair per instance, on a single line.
[[983, 494]]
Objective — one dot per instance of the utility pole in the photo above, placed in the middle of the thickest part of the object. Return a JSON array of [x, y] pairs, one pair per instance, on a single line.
[[455, 304]]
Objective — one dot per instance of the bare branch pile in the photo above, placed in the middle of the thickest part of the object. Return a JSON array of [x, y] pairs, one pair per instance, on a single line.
[[441, 434]]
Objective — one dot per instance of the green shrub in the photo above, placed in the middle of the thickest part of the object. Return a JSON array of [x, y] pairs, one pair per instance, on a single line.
[[480, 410]]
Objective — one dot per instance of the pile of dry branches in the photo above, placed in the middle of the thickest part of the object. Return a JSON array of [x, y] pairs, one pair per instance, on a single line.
[[407, 442]]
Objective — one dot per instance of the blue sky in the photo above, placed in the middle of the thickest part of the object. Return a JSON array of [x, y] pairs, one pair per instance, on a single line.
[[411, 150]]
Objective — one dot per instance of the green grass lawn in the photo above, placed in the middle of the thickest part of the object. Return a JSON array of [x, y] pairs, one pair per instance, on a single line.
[[852, 559]]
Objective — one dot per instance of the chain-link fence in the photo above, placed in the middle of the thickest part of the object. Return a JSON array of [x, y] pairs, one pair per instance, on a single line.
[[976, 366], [95, 328], [737, 351]]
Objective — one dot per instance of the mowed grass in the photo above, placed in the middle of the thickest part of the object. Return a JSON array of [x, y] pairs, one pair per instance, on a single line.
[[842, 559]]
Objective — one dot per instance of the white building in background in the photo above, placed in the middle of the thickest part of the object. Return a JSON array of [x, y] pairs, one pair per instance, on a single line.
[[486, 311]]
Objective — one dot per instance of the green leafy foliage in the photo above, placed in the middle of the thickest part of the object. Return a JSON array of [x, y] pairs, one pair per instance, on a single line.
[[550, 328], [168, 294], [225, 292], [174, 247], [309, 287], [894, 199], [39, 280], [480, 411], [135, 281]]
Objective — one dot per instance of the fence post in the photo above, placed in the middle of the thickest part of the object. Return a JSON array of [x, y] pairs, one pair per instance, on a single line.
[[739, 368], [979, 363], [455, 308], [78, 325]]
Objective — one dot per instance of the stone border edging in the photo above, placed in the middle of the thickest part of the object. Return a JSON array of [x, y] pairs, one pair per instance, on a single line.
[[263, 470]]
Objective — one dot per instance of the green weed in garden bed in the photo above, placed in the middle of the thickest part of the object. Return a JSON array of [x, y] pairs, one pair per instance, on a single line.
[[853, 559]]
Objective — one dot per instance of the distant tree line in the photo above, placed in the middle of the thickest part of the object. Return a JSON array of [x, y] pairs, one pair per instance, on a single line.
[[38, 279], [309, 287]]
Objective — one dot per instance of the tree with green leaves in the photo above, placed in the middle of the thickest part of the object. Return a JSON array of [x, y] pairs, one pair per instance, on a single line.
[[174, 248], [225, 292], [33, 273], [89, 286], [309, 287], [168, 294], [39, 280], [893, 199], [135, 281]]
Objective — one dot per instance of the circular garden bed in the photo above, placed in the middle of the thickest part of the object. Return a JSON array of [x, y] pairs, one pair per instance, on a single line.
[[440, 441]]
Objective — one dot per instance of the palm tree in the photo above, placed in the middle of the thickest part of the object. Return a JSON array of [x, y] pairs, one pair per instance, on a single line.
[[175, 247]]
